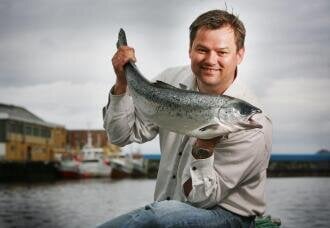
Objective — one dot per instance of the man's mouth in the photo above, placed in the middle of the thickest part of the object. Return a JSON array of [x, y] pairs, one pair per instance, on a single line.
[[210, 69]]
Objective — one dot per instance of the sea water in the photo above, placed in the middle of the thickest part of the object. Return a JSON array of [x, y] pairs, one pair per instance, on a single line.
[[298, 202]]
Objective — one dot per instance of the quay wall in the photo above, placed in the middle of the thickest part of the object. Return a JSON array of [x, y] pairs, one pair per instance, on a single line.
[[28, 171], [280, 165]]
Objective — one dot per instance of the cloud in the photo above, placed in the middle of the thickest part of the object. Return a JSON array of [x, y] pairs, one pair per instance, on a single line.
[[73, 105], [55, 57], [300, 113]]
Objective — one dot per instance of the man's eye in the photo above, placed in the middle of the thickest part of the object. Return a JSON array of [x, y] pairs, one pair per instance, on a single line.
[[222, 52], [201, 50]]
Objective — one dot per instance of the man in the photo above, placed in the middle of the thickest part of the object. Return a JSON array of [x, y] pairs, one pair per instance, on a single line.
[[201, 183]]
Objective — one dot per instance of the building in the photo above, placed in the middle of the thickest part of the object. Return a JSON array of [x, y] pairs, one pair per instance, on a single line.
[[26, 137], [76, 139]]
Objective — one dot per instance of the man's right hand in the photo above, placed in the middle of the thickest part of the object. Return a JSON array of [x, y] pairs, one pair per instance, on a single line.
[[123, 55]]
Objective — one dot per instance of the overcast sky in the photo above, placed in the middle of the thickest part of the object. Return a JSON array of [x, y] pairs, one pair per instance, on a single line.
[[55, 58]]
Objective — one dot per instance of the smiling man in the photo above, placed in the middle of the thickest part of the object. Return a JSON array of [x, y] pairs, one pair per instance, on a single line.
[[218, 182], [214, 58]]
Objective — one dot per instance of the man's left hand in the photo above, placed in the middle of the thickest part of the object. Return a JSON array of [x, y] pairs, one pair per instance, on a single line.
[[208, 144]]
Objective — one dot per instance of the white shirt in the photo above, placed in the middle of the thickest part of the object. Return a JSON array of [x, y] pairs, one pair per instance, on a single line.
[[233, 177]]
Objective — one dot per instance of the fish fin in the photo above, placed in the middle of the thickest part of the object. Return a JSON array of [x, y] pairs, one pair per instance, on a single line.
[[210, 127], [164, 85], [213, 130], [182, 86], [122, 41]]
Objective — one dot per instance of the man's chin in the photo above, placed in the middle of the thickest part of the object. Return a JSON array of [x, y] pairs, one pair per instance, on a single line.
[[209, 78]]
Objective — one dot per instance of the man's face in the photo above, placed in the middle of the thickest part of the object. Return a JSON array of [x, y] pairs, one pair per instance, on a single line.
[[214, 58]]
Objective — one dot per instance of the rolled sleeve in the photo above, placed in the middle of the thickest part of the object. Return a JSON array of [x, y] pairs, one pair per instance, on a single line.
[[203, 179], [235, 161], [123, 124]]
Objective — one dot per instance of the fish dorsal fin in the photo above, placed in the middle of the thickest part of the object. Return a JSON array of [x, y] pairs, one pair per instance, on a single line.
[[164, 85]]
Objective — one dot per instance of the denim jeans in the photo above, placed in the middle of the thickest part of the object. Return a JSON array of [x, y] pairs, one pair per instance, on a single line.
[[171, 213]]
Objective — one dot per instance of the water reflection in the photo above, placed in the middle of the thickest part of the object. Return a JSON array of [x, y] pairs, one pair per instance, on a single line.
[[299, 202]]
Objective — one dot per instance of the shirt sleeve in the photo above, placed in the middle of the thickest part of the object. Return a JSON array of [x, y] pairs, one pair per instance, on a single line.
[[124, 124], [236, 161]]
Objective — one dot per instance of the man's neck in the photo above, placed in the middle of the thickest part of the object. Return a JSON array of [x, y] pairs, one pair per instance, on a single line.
[[215, 90]]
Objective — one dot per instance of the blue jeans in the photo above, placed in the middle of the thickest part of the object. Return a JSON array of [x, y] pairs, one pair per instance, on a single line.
[[171, 213]]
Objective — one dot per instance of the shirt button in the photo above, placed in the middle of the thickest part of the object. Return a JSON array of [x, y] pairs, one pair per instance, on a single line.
[[194, 168], [173, 176], [168, 198], [180, 153]]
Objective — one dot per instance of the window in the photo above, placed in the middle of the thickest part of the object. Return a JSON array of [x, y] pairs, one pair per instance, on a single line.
[[28, 130], [45, 132], [13, 127], [17, 127], [36, 131], [48, 133]]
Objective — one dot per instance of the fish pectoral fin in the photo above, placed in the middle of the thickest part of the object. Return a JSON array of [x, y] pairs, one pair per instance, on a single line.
[[182, 86], [212, 127], [161, 84], [214, 130]]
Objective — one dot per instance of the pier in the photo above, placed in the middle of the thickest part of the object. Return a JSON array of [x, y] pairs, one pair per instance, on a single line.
[[280, 165]]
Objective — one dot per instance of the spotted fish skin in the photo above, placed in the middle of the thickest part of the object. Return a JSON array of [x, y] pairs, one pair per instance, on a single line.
[[183, 111]]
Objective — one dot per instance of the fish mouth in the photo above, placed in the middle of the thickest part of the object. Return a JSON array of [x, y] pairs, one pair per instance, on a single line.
[[254, 123], [253, 112], [250, 122]]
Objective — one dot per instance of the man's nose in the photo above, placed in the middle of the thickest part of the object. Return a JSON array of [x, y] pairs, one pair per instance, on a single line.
[[211, 58]]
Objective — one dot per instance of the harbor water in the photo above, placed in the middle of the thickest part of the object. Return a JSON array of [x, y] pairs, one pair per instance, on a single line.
[[298, 202]]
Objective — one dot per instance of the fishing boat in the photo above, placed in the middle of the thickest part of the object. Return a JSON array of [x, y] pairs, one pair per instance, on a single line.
[[89, 162], [92, 161], [68, 167], [129, 165]]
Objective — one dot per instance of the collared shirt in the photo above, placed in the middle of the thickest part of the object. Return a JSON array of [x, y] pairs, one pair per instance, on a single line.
[[233, 177]]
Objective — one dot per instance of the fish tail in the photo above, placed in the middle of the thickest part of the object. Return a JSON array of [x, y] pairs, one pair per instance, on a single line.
[[122, 41]]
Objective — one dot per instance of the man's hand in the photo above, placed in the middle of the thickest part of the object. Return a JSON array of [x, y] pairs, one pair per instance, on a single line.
[[208, 144], [123, 55]]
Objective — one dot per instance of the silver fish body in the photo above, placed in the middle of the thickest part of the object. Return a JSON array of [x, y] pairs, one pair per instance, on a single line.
[[187, 112]]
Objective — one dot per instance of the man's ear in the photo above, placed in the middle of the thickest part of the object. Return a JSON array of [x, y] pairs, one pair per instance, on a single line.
[[189, 51], [240, 55]]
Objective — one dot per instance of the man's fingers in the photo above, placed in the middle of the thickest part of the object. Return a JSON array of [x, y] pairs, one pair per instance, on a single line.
[[123, 55], [208, 143]]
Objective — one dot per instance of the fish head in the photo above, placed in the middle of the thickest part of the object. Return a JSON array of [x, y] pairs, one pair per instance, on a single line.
[[238, 114]]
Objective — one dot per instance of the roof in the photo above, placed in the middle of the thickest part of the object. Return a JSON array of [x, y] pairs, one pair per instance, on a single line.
[[18, 113]]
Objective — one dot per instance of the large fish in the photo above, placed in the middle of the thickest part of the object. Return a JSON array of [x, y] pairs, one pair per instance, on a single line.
[[187, 112]]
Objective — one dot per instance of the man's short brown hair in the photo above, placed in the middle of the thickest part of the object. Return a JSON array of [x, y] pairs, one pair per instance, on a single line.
[[215, 19]]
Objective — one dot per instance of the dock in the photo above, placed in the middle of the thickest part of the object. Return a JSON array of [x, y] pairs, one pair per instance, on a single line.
[[280, 165]]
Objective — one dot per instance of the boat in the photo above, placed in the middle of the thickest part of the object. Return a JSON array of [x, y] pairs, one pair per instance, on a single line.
[[92, 161], [89, 162], [68, 167], [129, 165]]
